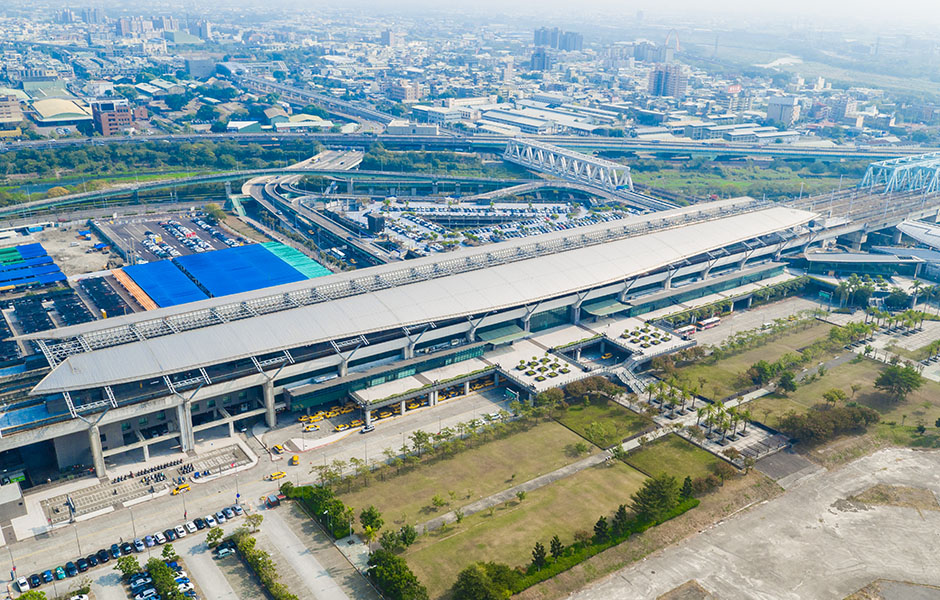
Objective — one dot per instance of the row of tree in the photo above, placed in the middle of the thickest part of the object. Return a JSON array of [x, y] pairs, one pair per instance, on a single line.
[[659, 499], [261, 563]]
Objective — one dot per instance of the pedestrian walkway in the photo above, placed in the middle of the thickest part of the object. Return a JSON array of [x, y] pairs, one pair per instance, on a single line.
[[510, 493]]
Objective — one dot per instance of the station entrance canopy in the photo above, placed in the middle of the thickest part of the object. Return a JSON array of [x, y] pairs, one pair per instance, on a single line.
[[604, 308], [502, 335]]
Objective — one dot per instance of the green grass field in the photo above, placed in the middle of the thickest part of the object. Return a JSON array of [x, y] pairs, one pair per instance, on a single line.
[[564, 507], [479, 472], [898, 420], [673, 455], [723, 378], [738, 181], [617, 422]]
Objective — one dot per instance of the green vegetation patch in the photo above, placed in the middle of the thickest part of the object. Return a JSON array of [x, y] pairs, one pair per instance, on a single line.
[[562, 508], [675, 456], [603, 424], [477, 472]]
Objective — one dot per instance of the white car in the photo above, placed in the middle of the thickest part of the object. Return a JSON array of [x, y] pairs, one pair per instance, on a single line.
[[161, 539], [79, 597], [185, 587], [22, 584], [210, 520], [180, 531], [191, 527]]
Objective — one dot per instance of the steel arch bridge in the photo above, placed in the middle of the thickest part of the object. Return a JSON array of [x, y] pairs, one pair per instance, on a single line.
[[908, 173]]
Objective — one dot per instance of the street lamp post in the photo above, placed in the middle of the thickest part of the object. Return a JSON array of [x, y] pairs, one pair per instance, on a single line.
[[77, 542]]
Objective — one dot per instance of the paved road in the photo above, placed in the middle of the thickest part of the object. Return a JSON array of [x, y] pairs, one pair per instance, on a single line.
[[317, 579], [807, 543], [203, 568], [106, 584]]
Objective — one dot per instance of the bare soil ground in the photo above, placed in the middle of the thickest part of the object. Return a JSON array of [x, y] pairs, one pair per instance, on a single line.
[[690, 590], [898, 495]]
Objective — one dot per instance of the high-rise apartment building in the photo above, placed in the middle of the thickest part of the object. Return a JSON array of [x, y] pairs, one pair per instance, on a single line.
[[668, 80], [783, 109]]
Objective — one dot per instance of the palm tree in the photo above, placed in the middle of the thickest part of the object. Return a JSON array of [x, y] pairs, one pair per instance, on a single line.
[[650, 390], [699, 414], [916, 286]]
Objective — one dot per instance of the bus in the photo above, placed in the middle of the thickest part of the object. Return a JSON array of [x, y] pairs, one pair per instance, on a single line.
[[685, 331], [708, 323]]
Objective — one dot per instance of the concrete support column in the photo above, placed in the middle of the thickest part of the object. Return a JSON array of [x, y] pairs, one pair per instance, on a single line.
[[472, 334], [349, 186], [402, 407], [896, 237], [146, 452], [668, 283], [603, 346], [231, 428], [577, 354], [368, 417], [857, 238], [526, 323], [432, 398], [530, 399], [750, 299], [495, 378], [270, 417], [343, 369], [184, 416], [408, 351], [97, 455], [466, 388], [576, 313]]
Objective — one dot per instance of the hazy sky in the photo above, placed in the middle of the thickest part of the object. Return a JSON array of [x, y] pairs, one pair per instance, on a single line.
[[918, 14]]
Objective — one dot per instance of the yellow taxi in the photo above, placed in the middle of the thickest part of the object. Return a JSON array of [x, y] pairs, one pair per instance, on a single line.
[[294, 460], [315, 419], [277, 475], [311, 427], [413, 406], [384, 414], [346, 410], [304, 418], [278, 449], [331, 414], [606, 355], [341, 427], [355, 423], [180, 489]]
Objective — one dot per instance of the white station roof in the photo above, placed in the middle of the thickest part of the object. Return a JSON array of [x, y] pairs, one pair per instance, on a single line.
[[451, 296]]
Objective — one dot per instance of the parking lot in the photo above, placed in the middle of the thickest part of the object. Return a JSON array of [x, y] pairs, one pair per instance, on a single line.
[[167, 236]]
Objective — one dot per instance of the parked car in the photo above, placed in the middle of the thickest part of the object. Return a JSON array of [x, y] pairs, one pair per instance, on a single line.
[[170, 534], [115, 551], [191, 527], [229, 513], [47, 576], [238, 510], [200, 523], [59, 573], [34, 581], [210, 521], [22, 584], [180, 531], [161, 539], [82, 565], [126, 548], [220, 517], [92, 560], [223, 552], [139, 545], [71, 569]]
